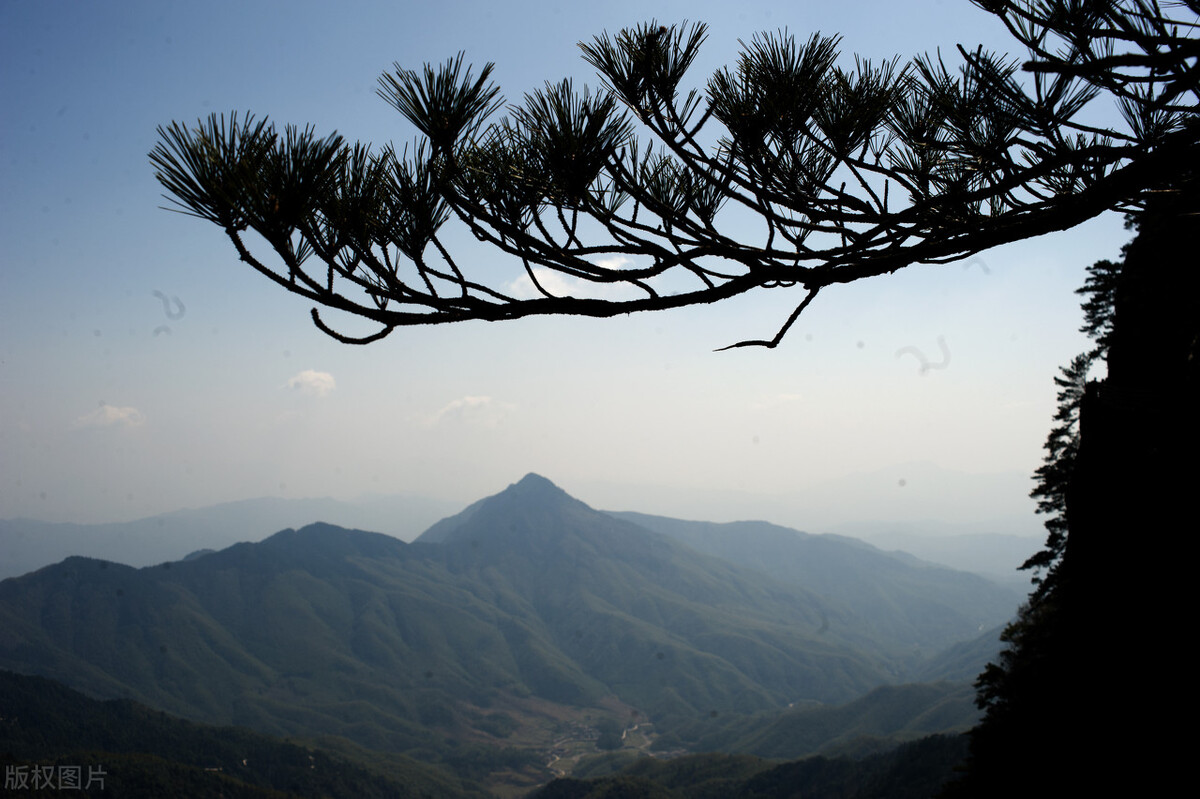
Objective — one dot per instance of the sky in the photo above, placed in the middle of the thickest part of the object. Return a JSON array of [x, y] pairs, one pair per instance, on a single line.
[[144, 369]]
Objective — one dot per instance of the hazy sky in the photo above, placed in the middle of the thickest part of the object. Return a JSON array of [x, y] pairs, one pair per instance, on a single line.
[[144, 369]]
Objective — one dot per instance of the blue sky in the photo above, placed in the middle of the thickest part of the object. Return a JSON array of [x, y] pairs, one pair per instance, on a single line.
[[143, 369]]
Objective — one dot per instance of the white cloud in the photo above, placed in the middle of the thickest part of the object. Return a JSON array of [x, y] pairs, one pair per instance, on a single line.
[[111, 416], [560, 285], [523, 289], [312, 382], [472, 410], [614, 262]]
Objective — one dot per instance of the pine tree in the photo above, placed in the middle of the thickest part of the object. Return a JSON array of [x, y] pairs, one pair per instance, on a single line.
[[853, 172]]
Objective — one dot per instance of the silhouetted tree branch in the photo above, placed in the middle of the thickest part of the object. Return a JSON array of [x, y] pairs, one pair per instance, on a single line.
[[851, 172]]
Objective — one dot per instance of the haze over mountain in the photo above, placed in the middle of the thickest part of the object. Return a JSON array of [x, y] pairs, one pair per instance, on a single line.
[[988, 539], [907, 493], [527, 607], [27, 544], [910, 602]]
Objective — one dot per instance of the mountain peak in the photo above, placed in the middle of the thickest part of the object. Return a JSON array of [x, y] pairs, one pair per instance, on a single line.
[[533, 493], [535, 485], [531, 496]]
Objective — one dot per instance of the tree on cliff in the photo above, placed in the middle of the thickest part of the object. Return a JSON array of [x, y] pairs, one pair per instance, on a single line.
[[1085, 693]]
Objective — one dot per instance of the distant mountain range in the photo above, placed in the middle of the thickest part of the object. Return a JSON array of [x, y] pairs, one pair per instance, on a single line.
[[27, 544], [501, 626], [993, 548]]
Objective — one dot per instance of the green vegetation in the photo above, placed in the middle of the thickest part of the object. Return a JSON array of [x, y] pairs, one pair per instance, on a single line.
[[912, 771], [920, 608], [144, 752], [885, 717], [531, 633], [610, 735]]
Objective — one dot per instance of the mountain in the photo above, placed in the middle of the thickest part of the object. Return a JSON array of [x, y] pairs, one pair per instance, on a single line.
[[626, 605], [915, 770], [906, 601], [964, 661], [876, 721], [995, 556], [520, 621], [530, 594], [131, 750], [26, 544], [319, 630]]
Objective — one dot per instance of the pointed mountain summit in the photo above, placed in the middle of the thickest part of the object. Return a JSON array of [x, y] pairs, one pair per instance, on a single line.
[[619, 600], [537, 488], [533, 505]]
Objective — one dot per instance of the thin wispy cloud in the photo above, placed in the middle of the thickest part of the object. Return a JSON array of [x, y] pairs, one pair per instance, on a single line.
[[312, 383], [478, 410], [110, 416]]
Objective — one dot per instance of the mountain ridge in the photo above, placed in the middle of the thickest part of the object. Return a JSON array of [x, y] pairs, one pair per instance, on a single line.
[[531, 602], [29, 544], [939, 606]]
